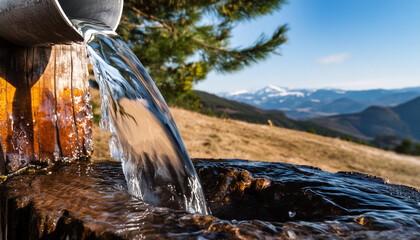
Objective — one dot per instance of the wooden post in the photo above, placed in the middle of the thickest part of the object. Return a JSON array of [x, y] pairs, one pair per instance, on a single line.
[[45, 113]]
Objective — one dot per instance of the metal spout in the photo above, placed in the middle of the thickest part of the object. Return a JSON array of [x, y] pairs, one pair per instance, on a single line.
[[47, 22]]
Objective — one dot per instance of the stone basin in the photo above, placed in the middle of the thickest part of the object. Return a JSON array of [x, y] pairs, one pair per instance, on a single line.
[[249, 200]]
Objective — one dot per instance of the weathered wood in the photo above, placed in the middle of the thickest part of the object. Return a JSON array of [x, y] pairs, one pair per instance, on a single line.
[[3, 103], [44, 105], [65, 116], [46, 117], [81, 100]]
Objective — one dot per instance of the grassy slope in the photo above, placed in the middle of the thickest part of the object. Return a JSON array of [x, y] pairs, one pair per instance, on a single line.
[[210, 137]]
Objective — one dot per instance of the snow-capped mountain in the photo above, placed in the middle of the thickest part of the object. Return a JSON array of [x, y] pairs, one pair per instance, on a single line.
[[314, 103]]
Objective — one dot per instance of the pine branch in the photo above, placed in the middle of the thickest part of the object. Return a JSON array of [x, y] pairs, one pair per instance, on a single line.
[[169, 34], [234, 60], [133, 25], [209, 46], [232, 53], [152, 18]]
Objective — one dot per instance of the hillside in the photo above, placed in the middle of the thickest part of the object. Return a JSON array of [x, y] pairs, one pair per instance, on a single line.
[[210, 137], [401, 121], [244, 112]]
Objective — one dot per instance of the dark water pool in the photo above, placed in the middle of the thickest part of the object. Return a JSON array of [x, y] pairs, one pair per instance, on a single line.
[[249, 200]]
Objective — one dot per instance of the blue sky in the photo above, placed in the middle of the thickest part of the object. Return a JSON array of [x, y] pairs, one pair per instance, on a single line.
[[348, 44]]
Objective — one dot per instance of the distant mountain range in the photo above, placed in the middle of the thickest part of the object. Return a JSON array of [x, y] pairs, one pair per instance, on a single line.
[[245, 112], [402, 121], [311, 103], [383, 126]]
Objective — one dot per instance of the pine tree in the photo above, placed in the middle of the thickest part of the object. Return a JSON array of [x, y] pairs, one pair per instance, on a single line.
[[181, 41], [405, 147], [417, 150], [311, 130]]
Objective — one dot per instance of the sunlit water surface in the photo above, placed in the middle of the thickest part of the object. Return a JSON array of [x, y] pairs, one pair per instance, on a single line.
[[249, 200], [144, 136]]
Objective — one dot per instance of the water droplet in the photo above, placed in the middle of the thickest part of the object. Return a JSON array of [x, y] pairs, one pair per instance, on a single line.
[[292, 214], [291, 234]]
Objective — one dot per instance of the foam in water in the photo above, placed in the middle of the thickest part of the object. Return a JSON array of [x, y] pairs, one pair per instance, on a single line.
[[144, 136]]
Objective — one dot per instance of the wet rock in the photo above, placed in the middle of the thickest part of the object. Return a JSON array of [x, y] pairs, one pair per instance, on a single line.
[[249, 200]]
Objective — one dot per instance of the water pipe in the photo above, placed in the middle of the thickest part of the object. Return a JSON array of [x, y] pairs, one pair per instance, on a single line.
[[47, 22]]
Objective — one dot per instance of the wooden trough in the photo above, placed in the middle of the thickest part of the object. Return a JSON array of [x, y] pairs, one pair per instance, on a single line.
[[45, 112]]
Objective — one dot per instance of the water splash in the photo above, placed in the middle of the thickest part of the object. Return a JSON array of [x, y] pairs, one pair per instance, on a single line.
[[144, 136]]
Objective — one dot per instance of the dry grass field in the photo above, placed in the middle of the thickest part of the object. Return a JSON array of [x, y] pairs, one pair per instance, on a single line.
[[210, 137]]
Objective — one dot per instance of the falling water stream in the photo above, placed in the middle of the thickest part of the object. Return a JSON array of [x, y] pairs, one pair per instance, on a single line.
[[144, 136]]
